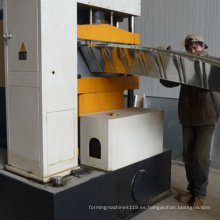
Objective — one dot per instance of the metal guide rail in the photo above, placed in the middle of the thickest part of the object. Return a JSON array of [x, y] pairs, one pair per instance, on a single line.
[[181, 67]]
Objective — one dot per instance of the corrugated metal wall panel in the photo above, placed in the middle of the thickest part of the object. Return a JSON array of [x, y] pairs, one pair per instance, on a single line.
[[168, 22]]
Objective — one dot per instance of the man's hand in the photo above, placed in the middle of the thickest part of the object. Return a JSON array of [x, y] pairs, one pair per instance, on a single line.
[[200, 53], [164, 47]]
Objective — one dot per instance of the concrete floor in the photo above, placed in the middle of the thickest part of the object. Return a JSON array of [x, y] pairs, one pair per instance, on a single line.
[[170, 208]]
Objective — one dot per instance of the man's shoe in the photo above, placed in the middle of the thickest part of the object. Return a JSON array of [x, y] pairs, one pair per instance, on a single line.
[[186, 198], [198, 202]]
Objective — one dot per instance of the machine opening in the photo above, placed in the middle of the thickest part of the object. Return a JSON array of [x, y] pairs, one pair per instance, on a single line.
[[95, 148]]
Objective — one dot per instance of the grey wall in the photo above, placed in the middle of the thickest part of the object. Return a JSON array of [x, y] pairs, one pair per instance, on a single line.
[[168, 22]]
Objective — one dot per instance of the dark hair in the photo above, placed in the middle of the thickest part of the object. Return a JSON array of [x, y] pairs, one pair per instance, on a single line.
[[189, 42]]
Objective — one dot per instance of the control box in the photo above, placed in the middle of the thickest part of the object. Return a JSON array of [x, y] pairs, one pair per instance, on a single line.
[[117, 138]]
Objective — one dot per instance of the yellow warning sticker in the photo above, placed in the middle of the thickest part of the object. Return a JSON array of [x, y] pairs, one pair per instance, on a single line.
[[23, 48]]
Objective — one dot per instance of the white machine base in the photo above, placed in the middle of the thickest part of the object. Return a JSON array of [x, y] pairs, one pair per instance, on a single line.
[[123, 137]]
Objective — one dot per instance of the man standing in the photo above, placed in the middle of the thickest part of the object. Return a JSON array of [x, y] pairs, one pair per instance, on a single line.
[[198, 113]]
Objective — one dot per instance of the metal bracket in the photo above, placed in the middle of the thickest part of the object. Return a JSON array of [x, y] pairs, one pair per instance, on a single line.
[[7, 37], [78, 173], [57, 181]]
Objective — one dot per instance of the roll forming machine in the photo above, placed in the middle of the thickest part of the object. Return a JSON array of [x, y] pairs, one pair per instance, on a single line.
[[73, 150]]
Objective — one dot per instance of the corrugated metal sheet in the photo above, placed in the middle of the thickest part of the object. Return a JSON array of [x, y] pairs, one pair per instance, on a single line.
[[168, 22]]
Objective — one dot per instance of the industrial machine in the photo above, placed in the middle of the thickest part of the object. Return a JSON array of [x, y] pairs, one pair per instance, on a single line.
[[74, 150]]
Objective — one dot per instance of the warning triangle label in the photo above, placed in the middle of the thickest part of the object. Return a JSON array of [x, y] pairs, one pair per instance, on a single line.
[[23, 48]]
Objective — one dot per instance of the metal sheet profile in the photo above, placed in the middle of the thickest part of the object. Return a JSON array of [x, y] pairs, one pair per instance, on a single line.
[[181, 67]]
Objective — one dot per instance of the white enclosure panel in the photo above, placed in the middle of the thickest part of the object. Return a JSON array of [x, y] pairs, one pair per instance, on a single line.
[[142, 133], [23, 165], [132, 7], [58, 64], [27, 79], [132, 135], [23, 29], [41, 91], [60, 127], [23, 123], [93, 128]]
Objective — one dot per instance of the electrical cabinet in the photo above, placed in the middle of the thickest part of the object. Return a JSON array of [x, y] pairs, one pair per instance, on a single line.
[[41, 87]]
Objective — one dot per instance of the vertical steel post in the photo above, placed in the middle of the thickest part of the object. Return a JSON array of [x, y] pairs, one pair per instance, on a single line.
[[131, 92], [112, 18], [90, 16]]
